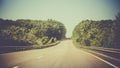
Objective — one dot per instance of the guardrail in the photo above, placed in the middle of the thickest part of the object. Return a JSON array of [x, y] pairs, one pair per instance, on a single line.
[[107, 51], [113, 50], [7, 49]]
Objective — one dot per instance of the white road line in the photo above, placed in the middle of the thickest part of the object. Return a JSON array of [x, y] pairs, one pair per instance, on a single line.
[[39, 57], [15, 67], [108, 56], [102, 60]]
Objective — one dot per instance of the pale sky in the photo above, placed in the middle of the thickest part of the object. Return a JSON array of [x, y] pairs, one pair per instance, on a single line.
[[69, 12]]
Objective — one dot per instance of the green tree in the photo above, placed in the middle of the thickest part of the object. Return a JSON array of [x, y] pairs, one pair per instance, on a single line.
[[94, 33], [29, 32]]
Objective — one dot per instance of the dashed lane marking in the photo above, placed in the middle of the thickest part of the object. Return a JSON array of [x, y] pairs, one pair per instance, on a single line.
[[15, 67], [39, 57]]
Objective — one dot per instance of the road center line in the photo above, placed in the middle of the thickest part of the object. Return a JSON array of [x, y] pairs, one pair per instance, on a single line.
[[39, 57], [36, 57], [15, 67], [101, 59]]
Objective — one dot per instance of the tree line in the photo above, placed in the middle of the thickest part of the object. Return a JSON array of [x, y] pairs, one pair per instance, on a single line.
[[103, 33], [30, 32]]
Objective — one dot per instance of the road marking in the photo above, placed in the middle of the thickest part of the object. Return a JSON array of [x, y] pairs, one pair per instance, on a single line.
[[15, 67], [108, 56], [102, 60], [39, 57]]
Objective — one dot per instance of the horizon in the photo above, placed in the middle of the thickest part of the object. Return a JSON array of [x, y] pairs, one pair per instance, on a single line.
[[68, 12]]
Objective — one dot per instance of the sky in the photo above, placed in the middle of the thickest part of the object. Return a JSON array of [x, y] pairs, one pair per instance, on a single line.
[[68, 12]]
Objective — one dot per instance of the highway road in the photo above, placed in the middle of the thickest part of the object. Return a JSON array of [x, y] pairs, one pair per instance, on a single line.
[[63, 55]]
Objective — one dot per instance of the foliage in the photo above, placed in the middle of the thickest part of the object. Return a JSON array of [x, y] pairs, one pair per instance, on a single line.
[[117, 30], [96, 33], [29, 32]]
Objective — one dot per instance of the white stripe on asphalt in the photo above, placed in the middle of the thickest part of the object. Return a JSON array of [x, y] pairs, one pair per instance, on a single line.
[[39, 57], [102, 60], [15, 67]]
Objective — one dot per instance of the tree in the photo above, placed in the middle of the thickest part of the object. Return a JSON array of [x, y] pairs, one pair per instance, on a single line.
[[30, 32], [117, 30], [94, 33]]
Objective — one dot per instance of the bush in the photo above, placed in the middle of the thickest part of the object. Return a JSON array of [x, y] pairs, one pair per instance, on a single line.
[[95, 33], [30, 32]]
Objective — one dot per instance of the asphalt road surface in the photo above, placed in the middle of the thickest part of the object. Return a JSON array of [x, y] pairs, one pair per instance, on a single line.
[[63, 55]]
